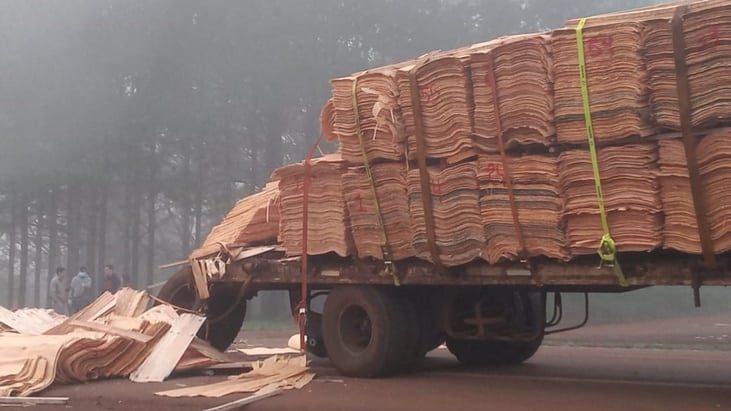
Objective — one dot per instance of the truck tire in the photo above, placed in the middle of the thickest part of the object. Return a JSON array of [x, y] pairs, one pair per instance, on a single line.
[[223, 321], [368, 331], [530, 313], [485, 353]]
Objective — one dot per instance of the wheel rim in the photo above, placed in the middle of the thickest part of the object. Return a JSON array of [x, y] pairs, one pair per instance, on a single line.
[[355, 328]]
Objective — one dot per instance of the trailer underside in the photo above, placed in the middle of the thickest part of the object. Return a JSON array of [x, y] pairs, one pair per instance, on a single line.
[[271, 270]]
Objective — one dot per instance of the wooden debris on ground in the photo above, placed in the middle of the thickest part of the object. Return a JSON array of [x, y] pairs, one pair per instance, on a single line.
[[276, 372], [257, 351], [260, 395], [29, 320], [327, 216], [101, 342], [28, 401], [168, 351]]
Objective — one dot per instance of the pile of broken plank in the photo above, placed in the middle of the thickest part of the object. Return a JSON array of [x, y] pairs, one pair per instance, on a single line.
[[118, 336], [115, 336], [482, 152]]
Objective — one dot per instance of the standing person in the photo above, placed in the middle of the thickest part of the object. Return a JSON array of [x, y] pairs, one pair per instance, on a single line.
[[112, 283], [80, 295], [58, 292]]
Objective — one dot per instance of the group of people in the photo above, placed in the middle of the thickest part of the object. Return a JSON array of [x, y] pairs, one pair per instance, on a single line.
[[69, 297]]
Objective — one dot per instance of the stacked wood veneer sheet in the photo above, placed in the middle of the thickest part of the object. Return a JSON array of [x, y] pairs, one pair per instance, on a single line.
[[521, 67], [378, 113], [455, 198], [714, 161], [616, 80], [253, 220], [631, 198], [706, 29], [536, 100], [535, 188], [394, 205], [328, 226], [445, 99]]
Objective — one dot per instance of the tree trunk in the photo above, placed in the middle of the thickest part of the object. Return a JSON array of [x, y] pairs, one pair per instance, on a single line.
[[102, 232], [52, 222], [273, 144], [135, 231], [185, 203], [11, 247], [254, 174], [127, 232], [73, 228], [199, 185], [24, 245], [38, 245], [151, 216], [91, 233]]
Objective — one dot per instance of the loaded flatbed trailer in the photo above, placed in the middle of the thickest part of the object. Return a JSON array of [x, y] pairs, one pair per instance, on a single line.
[[272, 270], [380, 321]]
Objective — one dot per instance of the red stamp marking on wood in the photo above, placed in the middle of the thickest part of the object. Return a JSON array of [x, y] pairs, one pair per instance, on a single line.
[[357, 198], [427, 93], [709, 38], [436, 188], [495, 172], [600, 46]]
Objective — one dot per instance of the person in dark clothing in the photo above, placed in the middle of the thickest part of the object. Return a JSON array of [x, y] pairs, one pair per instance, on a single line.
[[112, 283], [80, 293]]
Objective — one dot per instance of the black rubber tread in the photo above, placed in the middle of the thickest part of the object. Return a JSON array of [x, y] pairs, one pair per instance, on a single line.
[[179, 290], [484, 353], [223, 332], [390, 339], [315, 343]]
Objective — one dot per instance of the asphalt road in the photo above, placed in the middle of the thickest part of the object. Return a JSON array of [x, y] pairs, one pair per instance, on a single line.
[[578, 371]]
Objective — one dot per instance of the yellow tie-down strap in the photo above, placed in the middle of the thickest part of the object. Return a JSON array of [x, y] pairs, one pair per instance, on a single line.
[[607, 248], [390, 267]]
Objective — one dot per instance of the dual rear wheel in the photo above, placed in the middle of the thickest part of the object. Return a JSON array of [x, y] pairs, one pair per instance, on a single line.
[[372, 332]]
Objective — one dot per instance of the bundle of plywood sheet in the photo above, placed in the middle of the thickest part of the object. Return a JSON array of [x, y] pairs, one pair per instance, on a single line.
[[327, 218], [616, 79], [455, 200], [444, 105], [378, 117], [706, 27], [389, 181], [534, 183], [631, 198], [512, 87], [714, 160], [253, 220]]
